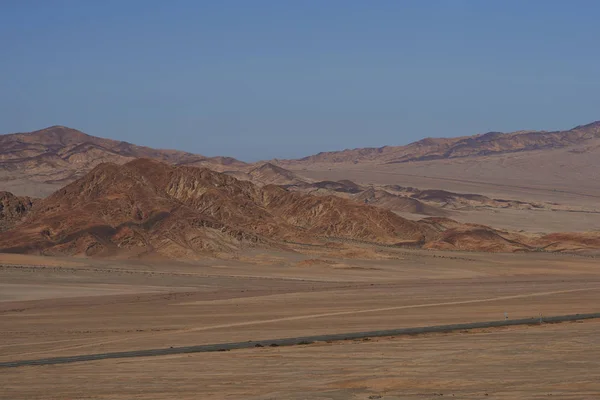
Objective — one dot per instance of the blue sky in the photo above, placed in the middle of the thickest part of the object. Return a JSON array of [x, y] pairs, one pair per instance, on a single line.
[[265, 79]]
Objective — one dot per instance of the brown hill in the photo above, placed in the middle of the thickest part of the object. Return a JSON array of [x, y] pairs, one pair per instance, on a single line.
[[466, 146], [270, 174], [150, 207], [147, 206], [267, 174], [482, 239], [39, 162], [457, 236], [571, 242], [382, 198]]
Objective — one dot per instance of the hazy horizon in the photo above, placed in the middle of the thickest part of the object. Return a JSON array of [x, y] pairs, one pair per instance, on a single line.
[[264, 80]]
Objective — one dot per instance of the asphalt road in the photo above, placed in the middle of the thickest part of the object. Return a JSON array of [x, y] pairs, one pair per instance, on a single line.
[[295, 341]]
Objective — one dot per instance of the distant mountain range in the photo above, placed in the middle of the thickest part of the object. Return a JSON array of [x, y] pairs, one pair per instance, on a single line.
[[459, 147], [107, 197], [148, 207], [37, 163], [49, 158]]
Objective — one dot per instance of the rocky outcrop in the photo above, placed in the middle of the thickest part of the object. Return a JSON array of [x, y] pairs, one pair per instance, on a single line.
[[13, 209]]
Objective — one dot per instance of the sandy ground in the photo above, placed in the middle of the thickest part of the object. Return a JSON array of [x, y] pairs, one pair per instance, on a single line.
[[558, 361], [90, 306]]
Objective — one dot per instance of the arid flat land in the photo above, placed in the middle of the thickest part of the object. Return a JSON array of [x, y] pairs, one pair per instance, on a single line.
[[559, 361], [60, 307]]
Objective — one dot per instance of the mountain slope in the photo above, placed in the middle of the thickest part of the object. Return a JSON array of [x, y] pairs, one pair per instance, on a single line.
[[57, 155], [150, 207], [466, 146], [147, 206]]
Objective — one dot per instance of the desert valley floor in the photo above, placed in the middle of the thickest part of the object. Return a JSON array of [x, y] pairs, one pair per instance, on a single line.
[[68, 306]]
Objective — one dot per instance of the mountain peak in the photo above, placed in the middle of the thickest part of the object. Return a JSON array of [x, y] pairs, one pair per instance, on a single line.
[[592, 125], [268, 166], [56, 134], [53, 127]]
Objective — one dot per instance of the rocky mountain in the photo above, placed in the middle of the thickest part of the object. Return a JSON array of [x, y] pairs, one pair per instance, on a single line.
[[37, 163], [150, 207], [460, 147]]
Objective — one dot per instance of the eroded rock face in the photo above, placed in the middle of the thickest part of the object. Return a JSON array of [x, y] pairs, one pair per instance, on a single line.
[[13, 209], [149, 206]]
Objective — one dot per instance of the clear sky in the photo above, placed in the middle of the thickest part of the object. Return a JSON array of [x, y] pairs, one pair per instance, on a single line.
[[263, 79]]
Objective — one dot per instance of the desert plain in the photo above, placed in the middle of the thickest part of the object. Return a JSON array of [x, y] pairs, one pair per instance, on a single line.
[[52, 306]]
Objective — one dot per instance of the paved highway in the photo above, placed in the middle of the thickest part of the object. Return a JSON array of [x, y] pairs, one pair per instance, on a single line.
[[294, 341]]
